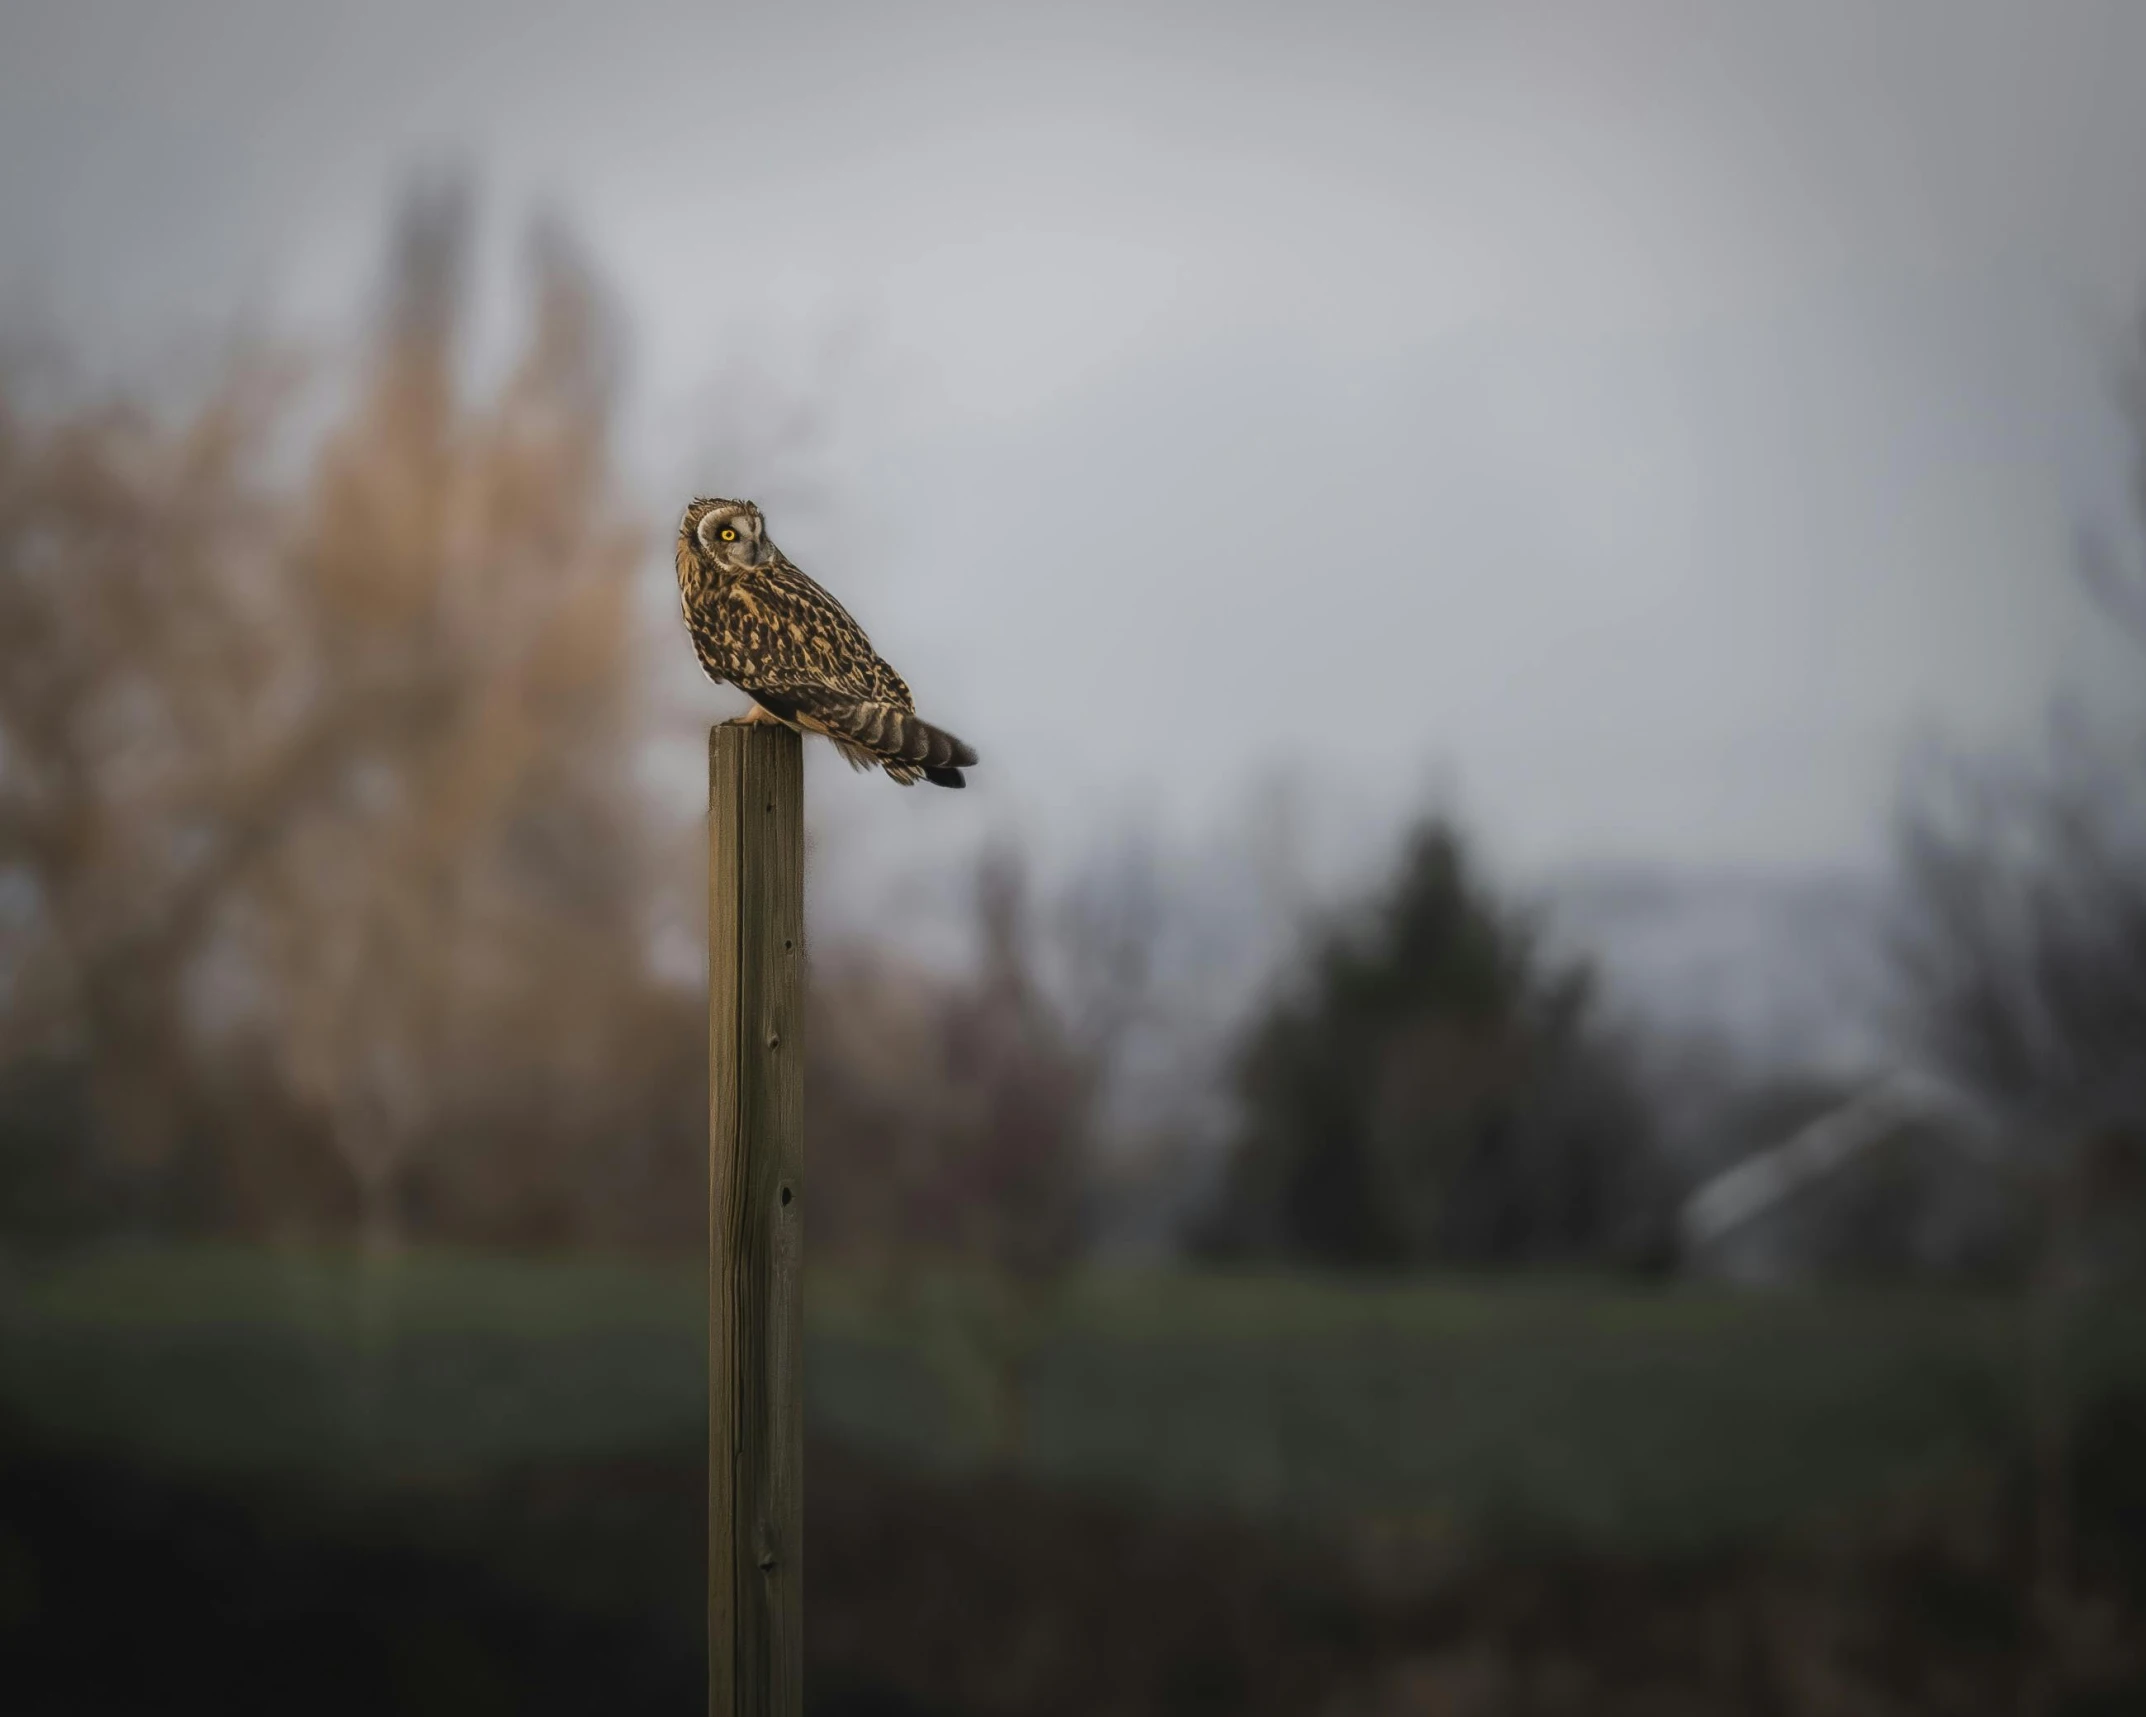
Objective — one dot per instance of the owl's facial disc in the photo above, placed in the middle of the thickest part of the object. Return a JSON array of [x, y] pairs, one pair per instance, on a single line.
[[724, 534]]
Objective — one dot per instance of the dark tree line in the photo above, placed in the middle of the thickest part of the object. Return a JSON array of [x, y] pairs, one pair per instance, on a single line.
[[1437, 1088]]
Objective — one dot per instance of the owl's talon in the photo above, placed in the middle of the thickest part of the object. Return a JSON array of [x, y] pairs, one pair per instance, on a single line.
[[756, 715]]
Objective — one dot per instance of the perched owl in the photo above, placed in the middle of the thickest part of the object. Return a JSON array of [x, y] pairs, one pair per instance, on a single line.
[[763, 626]]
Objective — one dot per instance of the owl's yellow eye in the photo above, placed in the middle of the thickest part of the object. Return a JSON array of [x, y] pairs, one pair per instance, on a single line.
[[728, 535]]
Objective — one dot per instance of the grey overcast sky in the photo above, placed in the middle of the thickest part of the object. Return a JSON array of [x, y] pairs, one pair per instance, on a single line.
[[1644, 419]]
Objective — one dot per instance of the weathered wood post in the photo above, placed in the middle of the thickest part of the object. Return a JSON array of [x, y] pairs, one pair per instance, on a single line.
[[756, 1159]]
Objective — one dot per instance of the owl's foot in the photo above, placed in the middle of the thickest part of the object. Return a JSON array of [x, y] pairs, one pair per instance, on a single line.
[[755, 716]]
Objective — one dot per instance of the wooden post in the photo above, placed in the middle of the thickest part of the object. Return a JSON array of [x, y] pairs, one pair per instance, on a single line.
[[756, 1159]]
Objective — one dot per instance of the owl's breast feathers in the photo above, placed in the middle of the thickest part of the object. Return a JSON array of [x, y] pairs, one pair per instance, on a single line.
[[781, 639]]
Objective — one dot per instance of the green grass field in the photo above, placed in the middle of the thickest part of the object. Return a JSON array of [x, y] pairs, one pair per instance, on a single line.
[[1575, 1409]]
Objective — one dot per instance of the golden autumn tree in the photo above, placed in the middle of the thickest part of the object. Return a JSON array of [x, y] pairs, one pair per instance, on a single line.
[[318, 824], [154, 737], [450, 943]]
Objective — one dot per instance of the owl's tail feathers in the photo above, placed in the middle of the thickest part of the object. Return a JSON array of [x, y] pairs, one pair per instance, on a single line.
[[897, 736]]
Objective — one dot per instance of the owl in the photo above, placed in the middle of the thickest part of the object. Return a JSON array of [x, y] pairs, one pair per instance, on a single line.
[[760, 624]]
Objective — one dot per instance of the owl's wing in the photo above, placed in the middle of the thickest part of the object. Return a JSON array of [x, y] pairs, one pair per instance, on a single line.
[[800, 656], [776, 630], [798, 637]]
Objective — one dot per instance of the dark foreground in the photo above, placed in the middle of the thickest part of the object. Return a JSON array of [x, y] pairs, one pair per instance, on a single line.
[[576, 1589]]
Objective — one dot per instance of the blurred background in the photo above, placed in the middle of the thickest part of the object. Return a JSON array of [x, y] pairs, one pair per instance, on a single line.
[[1520, 1085]]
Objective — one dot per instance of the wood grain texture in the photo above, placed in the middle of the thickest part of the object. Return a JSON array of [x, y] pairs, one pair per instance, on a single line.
[[756, 1204]]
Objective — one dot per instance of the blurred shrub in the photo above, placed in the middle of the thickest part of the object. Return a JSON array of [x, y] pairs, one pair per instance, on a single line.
[[947, 1116], [948, 1141], [2021, 938], [1436, 1089], [2020, 933], [48, 1185]]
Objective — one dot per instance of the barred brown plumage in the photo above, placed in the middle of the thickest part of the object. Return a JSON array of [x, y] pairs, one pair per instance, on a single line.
[[760, 624]]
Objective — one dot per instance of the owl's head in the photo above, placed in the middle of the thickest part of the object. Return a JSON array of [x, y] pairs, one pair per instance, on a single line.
[[726, 536]]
